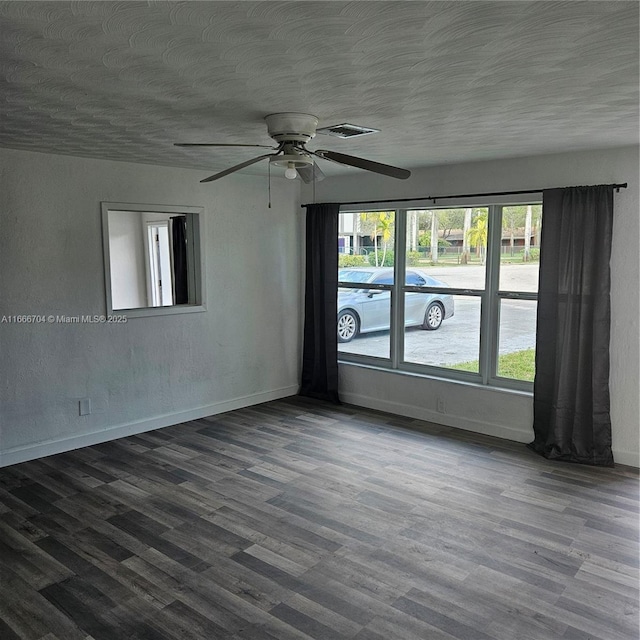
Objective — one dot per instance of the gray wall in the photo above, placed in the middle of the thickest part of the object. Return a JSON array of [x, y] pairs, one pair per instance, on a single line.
[[501, 413], [152, 371], [246, 348]]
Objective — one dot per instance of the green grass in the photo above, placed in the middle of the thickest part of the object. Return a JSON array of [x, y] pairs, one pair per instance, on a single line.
[[520, 365]]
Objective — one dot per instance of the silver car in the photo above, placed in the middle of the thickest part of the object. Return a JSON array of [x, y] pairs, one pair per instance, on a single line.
[[365, 310]]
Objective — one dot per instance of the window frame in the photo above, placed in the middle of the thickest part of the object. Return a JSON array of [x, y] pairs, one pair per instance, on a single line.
[[490, 297]]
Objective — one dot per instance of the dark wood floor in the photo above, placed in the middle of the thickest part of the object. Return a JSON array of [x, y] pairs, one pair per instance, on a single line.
[[297, 520]]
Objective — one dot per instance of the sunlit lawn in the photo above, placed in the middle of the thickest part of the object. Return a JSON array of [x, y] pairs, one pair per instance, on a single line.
[[520, 365]]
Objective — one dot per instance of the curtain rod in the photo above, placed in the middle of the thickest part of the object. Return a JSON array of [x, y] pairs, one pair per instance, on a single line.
[[617, 187]]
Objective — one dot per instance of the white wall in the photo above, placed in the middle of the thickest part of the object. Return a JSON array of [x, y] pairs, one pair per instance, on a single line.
[[493, 412], [154, 371], [127, 260]]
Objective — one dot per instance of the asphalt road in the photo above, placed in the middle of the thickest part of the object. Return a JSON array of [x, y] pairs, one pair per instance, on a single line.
[[457, 340]]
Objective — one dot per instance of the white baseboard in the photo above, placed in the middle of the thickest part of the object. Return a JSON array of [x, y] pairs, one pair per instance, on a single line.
[[468, 424], [50, 447], [428, 415], [627, 458]]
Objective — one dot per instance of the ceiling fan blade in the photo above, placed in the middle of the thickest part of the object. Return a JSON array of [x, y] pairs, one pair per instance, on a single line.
[[311, 172], [237, 167], [220, 144], [367, 165]]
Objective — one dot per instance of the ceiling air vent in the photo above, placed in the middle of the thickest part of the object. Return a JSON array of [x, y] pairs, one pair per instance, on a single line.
[[347, 130]]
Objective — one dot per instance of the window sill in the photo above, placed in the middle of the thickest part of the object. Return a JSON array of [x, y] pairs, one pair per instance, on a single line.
[[429, 376]]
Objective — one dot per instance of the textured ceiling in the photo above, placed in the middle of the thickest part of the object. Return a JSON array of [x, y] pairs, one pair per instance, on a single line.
[[444, 81]]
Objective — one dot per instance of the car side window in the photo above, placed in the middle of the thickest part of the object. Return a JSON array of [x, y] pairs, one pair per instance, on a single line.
[[384, 279], [415, 280]]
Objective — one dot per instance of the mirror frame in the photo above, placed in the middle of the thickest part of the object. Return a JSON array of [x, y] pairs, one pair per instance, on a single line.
[[195, 258]]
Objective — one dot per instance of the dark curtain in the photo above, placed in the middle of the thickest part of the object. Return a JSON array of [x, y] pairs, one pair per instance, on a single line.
[[571, 386], [179, 247], [320, 350]]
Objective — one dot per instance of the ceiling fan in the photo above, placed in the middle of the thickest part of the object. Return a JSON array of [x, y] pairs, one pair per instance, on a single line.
[[292, 131]]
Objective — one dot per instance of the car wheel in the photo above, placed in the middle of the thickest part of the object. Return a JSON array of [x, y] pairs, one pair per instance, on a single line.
[[433, 317], [348, 326]]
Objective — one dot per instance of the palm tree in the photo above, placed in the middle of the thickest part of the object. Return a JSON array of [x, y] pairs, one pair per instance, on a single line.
[[386, 232], [465, 236], [434, 237], [477, 235], [382, 226]]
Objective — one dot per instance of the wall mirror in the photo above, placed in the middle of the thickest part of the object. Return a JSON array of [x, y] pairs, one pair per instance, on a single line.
[[153, 259]]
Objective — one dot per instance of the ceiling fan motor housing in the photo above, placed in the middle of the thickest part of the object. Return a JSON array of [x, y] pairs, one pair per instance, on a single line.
[[285, 127]]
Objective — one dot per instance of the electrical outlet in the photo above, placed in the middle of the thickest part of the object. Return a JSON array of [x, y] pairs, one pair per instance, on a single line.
[[440, 405], [84, 406]]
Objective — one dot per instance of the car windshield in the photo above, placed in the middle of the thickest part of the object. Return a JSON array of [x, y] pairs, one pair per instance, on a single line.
[[347, 275]]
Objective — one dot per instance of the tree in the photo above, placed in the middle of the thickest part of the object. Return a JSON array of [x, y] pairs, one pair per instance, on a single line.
[[425, 241], [478, 234], [424, 224], [513, 218], [412, 230], [450, 219], [465, 236], [381, 223], [537, 224], [527, 234], [434, 237]]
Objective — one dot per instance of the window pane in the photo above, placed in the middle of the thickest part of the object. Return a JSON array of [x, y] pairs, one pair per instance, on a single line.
[[449, 245], [520, 250], [365, 255], [435, 337], [517, 339], [356, 274], [363, 322], [366, 238]]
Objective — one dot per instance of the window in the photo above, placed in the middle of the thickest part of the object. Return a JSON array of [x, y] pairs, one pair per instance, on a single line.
[[467, 306], [152, 258], [416, 280]]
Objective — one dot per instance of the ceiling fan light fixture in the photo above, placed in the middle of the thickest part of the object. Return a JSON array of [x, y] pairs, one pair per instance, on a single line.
[[290, 172], [290, 160], [291, 163]]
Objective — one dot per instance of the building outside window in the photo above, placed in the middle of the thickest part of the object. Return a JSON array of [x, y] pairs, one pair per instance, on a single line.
[[442, 291]]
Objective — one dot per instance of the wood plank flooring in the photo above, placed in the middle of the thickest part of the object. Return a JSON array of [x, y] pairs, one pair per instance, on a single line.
[[294, 520]]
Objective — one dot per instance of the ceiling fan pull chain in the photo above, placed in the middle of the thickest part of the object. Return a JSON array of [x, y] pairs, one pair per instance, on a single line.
[[269, 180]]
